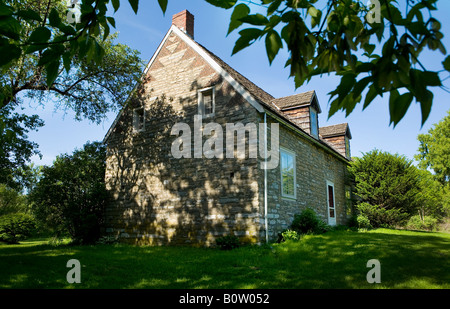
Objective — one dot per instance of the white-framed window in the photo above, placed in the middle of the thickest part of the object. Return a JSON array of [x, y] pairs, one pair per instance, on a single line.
[[206, 102], [138, 119], [314, 122], [287, 169], [331, 203]]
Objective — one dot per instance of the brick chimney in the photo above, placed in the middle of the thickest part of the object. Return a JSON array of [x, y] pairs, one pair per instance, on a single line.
[[185, 21]]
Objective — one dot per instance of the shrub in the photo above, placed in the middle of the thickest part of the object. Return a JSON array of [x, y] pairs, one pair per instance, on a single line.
[[71, 195], [289, 235], [416, 223], [228, 242], [307, 222], [363, 222], [15, 227], [381, 217]]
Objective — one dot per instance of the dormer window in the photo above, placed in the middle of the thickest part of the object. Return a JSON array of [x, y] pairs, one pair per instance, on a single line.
[[206, 102], [314, 122], [347, 147]]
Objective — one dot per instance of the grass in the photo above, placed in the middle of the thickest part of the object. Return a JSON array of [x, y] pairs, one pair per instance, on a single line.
[[333, 260]]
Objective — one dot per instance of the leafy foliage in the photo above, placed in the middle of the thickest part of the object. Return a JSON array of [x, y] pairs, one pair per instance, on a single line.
[[16, 150], [11, 201], [71, 195], [386, 180], [307, 222], [15, 227], [434, 150], [228, 242], [374, 216], [376, 47], [289, 235], [422, 223]]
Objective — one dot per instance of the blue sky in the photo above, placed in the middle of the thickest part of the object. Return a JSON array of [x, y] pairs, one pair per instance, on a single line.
[[370, 128]]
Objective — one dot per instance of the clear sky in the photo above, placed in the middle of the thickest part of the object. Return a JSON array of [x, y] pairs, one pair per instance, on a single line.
[[370, 128]]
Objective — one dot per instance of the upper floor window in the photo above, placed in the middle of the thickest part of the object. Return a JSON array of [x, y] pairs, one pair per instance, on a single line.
[[314, 123], [287, 168], [206, 102], [347, 147], [138, 119]]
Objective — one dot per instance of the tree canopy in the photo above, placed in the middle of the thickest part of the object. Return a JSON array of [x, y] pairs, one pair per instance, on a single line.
[[375, 50], [434, 150], [71, 194]]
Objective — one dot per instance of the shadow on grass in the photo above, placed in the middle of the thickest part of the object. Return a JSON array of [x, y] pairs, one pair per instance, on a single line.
[[332, 260]]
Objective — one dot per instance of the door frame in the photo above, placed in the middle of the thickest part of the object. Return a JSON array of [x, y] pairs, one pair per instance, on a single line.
[[331, 220]]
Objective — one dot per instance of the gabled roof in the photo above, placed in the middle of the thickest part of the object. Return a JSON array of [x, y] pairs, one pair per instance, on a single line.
[[335, 130], [255, 96], [298, 100]]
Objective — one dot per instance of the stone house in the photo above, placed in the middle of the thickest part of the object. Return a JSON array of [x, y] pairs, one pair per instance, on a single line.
[[173, 188]]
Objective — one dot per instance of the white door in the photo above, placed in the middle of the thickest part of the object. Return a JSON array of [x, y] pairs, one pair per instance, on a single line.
[[330, 204]]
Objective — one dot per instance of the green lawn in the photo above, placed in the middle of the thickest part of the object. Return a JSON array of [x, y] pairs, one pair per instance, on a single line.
[[333, 260]]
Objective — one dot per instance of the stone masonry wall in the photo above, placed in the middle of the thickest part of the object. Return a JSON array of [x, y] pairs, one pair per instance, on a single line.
[[314, 167], [159, 199]]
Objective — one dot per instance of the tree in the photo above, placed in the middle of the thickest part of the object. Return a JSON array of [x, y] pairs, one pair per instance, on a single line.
[[431, 196], [434, 150], [386, 185], [15, 149], [71, 194], [11, 201], [377, 48], [44, 58]]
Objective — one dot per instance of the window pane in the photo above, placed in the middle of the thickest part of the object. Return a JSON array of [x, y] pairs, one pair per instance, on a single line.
[[313, 116], [330, 197], [287, 174], [207, 102], [138, 119]]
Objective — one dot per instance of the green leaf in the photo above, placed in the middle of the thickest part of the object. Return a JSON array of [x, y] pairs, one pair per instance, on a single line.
[[247, 36], [29, 14], [446, 63], [111, 21], [52, 69], [48, 56], [240, 11], [162, 5], [425, 105], [67, 61], [115, 4], [316, 16], [5, 10], [9, 52], [40, 35], [273, 7], [371, 94], [134, 5], [225, 4], [53, 18], [69, 30], [398, 105], [431, 78], [273, 44], [255, 19], [10, 27]]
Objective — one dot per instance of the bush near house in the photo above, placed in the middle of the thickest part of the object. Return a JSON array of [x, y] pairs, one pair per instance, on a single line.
[[307, 222], [418, 223], [228, 242]]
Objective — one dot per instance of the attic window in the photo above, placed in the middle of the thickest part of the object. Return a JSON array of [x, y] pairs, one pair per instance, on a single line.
[[314, 127], [347, 147], [206, 102], [138, 119]]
